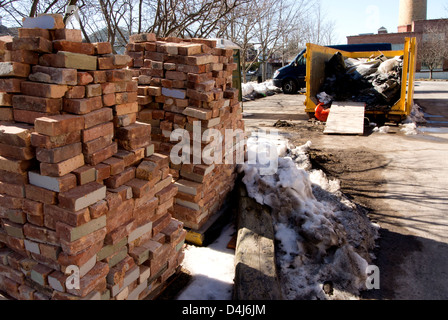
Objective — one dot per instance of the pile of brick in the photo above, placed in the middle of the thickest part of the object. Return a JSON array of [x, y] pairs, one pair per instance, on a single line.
[[183, 83], [83, 196]]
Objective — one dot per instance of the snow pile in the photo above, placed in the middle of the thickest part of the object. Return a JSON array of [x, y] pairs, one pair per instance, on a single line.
[[321, 236], [409, 126], [212, 269], [260, 89], [384, 129]]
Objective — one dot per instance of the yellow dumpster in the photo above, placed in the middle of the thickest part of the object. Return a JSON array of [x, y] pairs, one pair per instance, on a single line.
[[317, 56]]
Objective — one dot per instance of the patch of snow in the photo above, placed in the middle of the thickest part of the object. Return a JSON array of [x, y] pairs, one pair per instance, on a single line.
[[409, 126], [384, 129], [212, 269], [261, 88], [321, 236]]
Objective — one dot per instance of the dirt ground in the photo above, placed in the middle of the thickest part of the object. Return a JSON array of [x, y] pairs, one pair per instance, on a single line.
[[400, 179]]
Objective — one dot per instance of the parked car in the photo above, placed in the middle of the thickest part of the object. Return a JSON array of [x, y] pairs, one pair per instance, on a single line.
[[291, 78]]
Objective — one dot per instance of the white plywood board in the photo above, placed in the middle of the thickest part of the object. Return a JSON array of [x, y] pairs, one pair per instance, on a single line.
[[346, 118]]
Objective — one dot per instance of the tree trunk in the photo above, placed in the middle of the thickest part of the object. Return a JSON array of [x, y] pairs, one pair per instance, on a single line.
[[34, 8], [430, 74]]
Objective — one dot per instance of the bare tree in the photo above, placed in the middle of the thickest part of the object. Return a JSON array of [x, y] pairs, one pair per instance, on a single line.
[[433, 49]]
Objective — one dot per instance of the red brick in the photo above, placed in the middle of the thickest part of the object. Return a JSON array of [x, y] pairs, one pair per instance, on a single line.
[[33, 208], [69, 60], [125, 120], [120, 216], [142, 37], [6, 99], [40, 194], [58, 125], [125, 97], [93, 90], [22, 56], [40, 234], [81, 257], [76, 247], [97, 131], [75, 92], [34, 32], [126, 108], [102, 172], [76, 47], [139, 187], [109, 100], [103, 48], [101, 155], [135, 143], [118, 75], [90, 147], [85, 175], [116, 165], [74, 35], [81, 197], [58, 154], [119, 179], [166, 193], [98, 209], [72, 218], [20, 153], [98, 76], [14, 69], [12, 85], [62, 168], [54, 75], [37, 44], [37, 104], [50, 142], [84, 78], [134, 131], [91, 280], [44, 90], [82, 106]]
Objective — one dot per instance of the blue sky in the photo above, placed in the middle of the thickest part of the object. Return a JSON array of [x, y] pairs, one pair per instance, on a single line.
[[353, 17]]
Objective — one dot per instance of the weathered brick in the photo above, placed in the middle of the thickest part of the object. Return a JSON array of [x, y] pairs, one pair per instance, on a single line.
[[121, 178], [59, 125], [69, 60], [58, 154], [97, 131], [72, 218], [102, 154], [56, 184], [50, 142], [38, 104], [44, 90], [74, 35], [54, 75], [37, 44], [14, 69], [76, 47], [62, 168], [76, 247], [15, 134], [85, 174], [82, 106], [81, 197], [20, 153], [12, 85]]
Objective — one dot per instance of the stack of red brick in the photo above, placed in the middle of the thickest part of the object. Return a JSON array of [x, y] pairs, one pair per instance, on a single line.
[[80, 185], [183, 83]]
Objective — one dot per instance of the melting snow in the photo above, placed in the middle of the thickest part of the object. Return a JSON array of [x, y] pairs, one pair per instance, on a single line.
[[321, 236]]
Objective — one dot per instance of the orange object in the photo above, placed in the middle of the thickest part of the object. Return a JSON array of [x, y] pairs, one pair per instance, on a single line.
[[321, 114]]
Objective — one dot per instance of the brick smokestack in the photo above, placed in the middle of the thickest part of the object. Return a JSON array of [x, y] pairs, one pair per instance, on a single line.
[[411, 10]]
